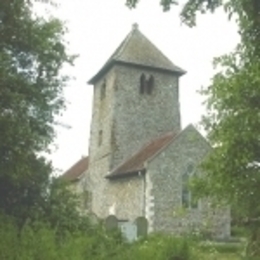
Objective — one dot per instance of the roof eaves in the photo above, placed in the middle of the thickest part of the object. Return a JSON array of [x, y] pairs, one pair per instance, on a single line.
[[164, 147], [175, 139], [80, 176], [179, 72], [76, 171], [104, 69], [114, 57], [72, 179], [120, 175]]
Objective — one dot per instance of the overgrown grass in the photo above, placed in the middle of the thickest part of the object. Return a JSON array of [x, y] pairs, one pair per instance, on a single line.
[[39, 242], [220, 251]]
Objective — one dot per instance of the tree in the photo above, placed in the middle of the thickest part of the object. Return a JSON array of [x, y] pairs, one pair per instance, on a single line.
[[61, 209], [32, 54], [233, 114], [232, 121]]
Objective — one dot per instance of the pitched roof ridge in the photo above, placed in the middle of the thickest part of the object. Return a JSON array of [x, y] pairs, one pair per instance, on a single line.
[[126, 42], [146, 146], [122, 46], [180, 133], [168, 134], [76, 170], [136, 49], [159, 51], [143, 147], [114, 54]]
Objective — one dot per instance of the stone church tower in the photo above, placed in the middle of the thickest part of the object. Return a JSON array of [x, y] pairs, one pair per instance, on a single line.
[[140, 159], [136, 99]]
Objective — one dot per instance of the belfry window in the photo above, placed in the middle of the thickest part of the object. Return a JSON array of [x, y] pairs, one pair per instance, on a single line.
[[188, 200], [150, 84], [103, 90], [142, 84], [146, 85]]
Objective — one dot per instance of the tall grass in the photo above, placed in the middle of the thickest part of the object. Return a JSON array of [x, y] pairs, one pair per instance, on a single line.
[[37, 241]]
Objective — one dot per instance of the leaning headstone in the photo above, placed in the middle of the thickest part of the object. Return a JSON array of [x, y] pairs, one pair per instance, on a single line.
[[129, 231], [93, 218], [111, 222], [142, 226]]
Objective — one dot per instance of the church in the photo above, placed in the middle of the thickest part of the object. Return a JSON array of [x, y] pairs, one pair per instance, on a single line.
[[140, 159]]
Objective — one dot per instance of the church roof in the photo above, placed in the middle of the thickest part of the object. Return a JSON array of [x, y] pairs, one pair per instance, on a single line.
[[136, 163], [76, 170], [136, 49]]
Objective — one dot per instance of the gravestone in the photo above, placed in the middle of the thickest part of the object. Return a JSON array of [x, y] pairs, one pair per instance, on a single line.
[[128, 230], [142, 226], [111, 222], [93, 219]]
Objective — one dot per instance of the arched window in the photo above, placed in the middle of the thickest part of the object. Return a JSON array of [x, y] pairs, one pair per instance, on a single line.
[[185, 190], [142, 84], [150, 84], [188, 201], [103, 90], [146, 86]]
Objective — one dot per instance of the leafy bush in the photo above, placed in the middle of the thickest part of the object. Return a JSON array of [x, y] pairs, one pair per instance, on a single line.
[[221, 247], [159, 247], [40, 241]]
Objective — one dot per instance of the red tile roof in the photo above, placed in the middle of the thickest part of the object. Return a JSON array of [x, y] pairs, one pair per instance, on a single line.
[[76, 170], [137, 161]]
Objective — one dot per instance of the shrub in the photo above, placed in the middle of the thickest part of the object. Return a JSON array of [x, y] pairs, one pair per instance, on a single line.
[[159, 247]]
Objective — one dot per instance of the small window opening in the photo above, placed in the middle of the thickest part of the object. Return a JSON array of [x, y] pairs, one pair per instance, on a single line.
[[146, 86], [103, 90], [188, 200], [150, 85], [100, 137], [142, 84], [185, 191]]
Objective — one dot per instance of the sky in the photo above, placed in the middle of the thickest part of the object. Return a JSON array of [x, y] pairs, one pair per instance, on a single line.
[[96, 28]]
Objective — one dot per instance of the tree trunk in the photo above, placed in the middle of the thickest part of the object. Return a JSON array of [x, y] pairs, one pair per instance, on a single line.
[[253, 247]]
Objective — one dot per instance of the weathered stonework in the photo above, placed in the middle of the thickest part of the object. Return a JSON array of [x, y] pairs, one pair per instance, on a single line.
[[127, 197], [123, 121], [78, 187], [149, 202], [115, 115], [138, 118], [165, 171]]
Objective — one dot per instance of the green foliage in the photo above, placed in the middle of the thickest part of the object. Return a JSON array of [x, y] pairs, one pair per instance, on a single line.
[[166, 4], [32, 53], [233, 110], [39, 241], [221, 247], [161, 247], [232, 123], [61, 209], [190, 9], [238, 231]]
